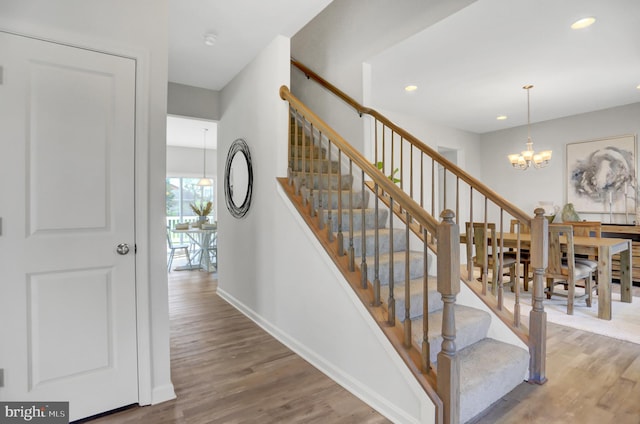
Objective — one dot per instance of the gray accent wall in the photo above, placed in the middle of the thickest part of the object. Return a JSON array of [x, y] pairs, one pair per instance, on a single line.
[[194, 102], [526, 188]]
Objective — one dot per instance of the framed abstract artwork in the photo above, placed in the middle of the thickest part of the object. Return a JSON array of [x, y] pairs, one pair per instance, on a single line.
[[601, 175]]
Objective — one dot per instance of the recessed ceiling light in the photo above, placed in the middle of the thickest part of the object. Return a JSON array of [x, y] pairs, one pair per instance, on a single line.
[[210, 39], [501, 117], [638, 86], [583, 23], [410, 88]]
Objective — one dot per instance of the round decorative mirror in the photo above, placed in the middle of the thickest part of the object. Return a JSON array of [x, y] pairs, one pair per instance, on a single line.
[[238, 179]]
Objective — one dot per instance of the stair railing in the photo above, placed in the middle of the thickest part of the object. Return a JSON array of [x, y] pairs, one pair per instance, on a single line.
[[436, 183], [323, 167]]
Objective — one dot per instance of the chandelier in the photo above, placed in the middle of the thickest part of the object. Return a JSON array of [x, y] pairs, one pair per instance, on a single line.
[[527, 158], [204, 181]]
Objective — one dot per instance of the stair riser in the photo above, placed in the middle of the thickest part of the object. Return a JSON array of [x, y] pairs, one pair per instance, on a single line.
[[472, 326], [306, 151], [369, 222], [359, 199], [399, 241], [299, 133], [416, 268], [487, 382], [322, 181], [323, 166], [415, 307]]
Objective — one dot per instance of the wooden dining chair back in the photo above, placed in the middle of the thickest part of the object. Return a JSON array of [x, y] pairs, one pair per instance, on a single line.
[[176, 247], [524, 228], [562, 266], [588, 229], [525, 255], [484, 242]]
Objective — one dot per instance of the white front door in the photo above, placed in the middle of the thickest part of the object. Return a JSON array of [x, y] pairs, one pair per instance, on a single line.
[[67, 297]]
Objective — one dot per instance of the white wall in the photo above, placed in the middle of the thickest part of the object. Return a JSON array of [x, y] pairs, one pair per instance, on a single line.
[[466, 145], [135, 29], [527, 188], [187, 162], [273, 270]]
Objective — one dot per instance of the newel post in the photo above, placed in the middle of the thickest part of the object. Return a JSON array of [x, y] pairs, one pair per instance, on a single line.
[[538, 317], [449, 287]]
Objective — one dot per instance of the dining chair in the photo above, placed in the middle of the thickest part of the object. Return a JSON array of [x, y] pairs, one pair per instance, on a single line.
[[213, 250], [525, 254], [172, 250], [588, 229], [488, 240], [562, 266]]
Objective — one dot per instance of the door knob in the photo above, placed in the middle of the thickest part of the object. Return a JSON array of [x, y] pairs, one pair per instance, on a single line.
[[123, 248]]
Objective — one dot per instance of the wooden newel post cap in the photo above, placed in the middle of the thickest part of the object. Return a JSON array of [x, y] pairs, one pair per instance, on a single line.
[[447, 215]]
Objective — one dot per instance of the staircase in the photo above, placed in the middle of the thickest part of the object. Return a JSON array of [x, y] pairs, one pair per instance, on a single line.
[[489, 368]]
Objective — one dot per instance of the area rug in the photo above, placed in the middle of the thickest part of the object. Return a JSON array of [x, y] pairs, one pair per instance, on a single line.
[[624, 324]]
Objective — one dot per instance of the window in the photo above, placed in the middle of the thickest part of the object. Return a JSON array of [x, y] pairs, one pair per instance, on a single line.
[[181, 192]]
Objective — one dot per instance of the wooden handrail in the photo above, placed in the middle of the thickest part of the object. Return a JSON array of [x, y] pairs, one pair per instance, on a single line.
[[399, 196], [450, 166]]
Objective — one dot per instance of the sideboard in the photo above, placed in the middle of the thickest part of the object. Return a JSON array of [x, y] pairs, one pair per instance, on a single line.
[[629, 232]]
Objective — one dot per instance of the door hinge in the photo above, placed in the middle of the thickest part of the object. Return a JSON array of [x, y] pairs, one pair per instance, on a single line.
[[1, 377], [135, 249]]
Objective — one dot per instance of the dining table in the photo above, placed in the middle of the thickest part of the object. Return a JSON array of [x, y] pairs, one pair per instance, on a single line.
[[603, 248], [205, 241]]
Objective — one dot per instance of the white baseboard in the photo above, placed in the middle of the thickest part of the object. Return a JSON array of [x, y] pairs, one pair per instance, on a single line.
[[162, 394], [363, 392]]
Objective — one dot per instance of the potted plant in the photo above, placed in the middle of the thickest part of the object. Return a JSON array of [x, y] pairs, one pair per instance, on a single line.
[[392, 176], [202, 211]]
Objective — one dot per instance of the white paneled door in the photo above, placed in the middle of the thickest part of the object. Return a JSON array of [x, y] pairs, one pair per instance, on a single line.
[[67, 288]]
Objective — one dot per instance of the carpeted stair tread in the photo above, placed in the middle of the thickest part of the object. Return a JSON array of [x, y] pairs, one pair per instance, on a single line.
[[322, 181], [320, 165], [399, 242], [416, 267], [489, 370], [358, 198], [415, 307], [370, 221], [471, 326], [306, 151]]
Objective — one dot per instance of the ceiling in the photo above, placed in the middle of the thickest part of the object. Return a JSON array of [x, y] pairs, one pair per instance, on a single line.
[[242, 28], [469, 67]]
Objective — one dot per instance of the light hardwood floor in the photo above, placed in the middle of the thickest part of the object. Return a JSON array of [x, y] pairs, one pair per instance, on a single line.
[[227, 370]]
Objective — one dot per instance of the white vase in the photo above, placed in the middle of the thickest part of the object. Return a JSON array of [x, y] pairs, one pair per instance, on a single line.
[[550, 210]]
